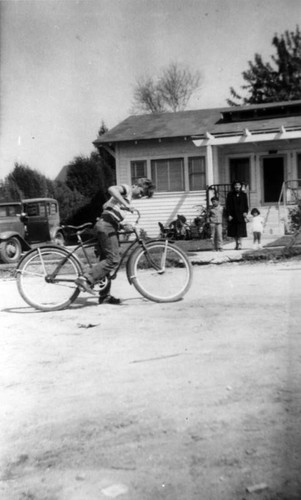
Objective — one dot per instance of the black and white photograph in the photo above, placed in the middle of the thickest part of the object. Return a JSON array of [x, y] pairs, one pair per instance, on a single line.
[[150, 249]]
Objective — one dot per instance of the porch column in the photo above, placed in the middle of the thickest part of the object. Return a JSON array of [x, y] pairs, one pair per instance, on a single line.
[[209, 165]]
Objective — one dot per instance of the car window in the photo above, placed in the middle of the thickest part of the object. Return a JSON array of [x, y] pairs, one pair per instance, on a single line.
[[42, 209], [13, 210], [10, 210], [51, 208], [32, 209]]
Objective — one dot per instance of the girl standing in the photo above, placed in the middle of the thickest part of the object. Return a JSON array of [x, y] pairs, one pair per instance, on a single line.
[[257, 227]]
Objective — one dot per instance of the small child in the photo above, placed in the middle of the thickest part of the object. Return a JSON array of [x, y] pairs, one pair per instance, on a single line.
[[257, 228], [216, 224]]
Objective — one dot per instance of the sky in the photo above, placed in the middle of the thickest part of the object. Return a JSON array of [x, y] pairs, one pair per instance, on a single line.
[[66, 66]]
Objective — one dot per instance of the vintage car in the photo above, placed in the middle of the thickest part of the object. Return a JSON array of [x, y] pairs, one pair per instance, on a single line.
[[27, 222]]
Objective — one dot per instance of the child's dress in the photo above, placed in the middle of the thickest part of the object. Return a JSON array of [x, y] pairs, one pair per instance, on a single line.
[[257, 227], [257, 224]]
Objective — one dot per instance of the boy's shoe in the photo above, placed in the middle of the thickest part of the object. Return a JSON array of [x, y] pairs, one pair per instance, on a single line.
[[109, 299], [84, 284]]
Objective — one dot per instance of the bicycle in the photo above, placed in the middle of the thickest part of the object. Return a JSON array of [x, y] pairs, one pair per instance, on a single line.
[[158, 269]]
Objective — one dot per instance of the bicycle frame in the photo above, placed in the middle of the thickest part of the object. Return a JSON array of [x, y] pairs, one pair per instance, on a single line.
[[128, 252], [131, 248], [144, 261]]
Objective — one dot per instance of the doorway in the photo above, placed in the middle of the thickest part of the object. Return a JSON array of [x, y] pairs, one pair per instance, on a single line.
[[273, 177]]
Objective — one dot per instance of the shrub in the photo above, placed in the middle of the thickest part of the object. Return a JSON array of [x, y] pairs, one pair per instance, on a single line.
[[294, 218]]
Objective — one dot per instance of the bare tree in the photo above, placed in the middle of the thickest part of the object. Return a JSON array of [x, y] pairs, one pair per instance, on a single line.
[[147, 99], [171, 91]]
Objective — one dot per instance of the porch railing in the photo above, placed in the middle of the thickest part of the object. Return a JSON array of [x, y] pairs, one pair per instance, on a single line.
[[218, 190], [290, 194], [221, 191]]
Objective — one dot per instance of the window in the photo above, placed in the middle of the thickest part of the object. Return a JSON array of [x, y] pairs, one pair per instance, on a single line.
[[197, 173], [168, 175], [51, 208], [240, 170], [13, 210], [31, 210], [138, 170], [42, 209]]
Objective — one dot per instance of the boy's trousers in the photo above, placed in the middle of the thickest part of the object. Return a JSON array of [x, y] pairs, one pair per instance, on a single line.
[[217, 235]]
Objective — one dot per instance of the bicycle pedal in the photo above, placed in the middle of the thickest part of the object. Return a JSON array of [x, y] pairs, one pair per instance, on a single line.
[[82, 283]]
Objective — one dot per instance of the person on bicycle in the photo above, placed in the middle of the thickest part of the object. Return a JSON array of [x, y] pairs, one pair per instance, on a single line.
[[107, 233]]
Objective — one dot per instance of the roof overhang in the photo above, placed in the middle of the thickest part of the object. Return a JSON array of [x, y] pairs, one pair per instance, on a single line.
[[246, 136]]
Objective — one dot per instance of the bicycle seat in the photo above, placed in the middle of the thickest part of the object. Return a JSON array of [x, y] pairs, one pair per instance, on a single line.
[[78, 229]]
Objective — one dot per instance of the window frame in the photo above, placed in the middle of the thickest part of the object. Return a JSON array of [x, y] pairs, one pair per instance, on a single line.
[[203, 174], [168, 160], [135, 177]]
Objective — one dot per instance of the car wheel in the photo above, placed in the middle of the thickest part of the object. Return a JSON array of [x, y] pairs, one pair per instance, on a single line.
[[10, 250], [59, 239]]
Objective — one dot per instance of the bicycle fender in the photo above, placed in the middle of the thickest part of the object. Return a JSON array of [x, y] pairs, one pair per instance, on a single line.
[[149, 242], [49, 247], [156, 240], [128, 273]]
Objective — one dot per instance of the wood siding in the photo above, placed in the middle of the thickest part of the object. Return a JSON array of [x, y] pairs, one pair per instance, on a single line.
[[162, 207]]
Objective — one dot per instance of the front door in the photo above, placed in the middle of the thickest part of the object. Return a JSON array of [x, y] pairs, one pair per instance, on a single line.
[[273, 177], [37, 222]]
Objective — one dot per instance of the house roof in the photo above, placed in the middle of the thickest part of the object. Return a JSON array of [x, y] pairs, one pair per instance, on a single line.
[[215, 121]]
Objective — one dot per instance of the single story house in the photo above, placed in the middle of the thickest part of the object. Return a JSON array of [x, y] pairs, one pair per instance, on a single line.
[[189, 155]]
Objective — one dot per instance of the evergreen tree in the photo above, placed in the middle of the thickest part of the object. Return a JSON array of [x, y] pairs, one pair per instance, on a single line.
[[87, 175], [103, 128], [28, 183], [80, 197], [9, 191], [275, 81], [91, 177], [70, 201]]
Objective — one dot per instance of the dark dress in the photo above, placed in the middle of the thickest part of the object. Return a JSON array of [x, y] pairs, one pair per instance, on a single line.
[[236, 206]]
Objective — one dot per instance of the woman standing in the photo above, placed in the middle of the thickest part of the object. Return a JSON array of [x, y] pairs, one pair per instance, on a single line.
[[237, 211]]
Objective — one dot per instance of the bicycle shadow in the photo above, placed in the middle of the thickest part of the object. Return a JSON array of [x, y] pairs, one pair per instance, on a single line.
[[80, 303]]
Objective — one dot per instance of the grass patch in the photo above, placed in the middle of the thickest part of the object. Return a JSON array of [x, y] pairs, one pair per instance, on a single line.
[[272, 253]]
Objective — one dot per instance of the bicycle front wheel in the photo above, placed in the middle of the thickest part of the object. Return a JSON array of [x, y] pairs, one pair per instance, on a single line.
[[161, 273], [46, 278]]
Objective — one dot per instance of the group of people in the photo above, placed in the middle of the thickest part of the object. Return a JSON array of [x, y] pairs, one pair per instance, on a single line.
[[120, 200], [236, 211]]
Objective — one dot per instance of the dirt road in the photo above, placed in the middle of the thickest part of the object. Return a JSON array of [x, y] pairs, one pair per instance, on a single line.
[[196, 400]]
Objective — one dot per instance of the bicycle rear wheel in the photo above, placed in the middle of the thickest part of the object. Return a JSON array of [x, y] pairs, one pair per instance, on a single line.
[[162, 273], [46, 278]]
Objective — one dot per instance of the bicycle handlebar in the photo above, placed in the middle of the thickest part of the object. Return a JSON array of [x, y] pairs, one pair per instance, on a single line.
[[88, 225]]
